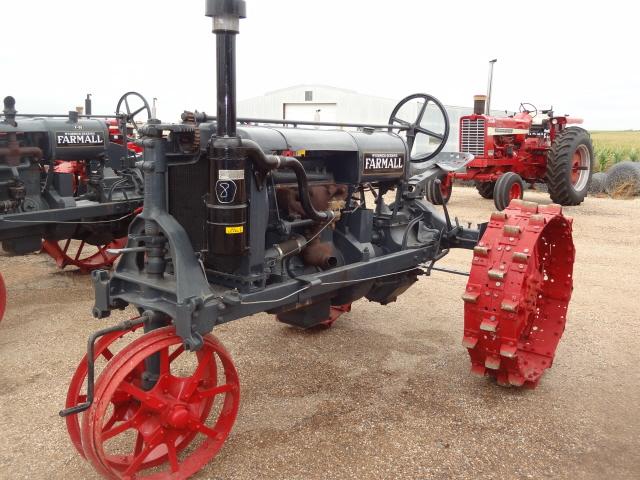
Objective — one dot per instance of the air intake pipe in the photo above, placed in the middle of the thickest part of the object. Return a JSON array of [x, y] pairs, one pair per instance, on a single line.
[[479, 102]]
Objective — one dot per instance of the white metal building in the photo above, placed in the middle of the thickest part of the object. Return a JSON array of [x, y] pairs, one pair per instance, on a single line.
[[331, 104]]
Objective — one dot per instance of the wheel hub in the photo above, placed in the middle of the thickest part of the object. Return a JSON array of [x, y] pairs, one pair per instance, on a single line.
[[178, 417]]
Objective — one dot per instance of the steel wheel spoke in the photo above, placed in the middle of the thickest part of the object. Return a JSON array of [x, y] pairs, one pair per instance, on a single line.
[[209, 432], [80, 248], [138, 111], [112, 432], [401, 122], [173, 456], [197, 375], [428, 132], [146, 398], [66, 246], [421, 114], [212, 392], [152, 443], [101, 250], [176, 353], [139, 444], [165, 361]]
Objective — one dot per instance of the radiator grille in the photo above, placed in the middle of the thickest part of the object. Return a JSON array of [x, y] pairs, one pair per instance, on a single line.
[[472, 136], [187, 189]]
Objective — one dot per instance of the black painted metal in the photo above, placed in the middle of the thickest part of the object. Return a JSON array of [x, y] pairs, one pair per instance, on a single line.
[[379, 253]]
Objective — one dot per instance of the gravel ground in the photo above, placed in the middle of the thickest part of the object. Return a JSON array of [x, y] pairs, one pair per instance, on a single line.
[[385, 393]]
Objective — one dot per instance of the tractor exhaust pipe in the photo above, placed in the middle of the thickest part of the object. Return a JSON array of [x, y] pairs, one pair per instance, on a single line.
[[487, 107], [226, 16], [87, 105], [227, 206]]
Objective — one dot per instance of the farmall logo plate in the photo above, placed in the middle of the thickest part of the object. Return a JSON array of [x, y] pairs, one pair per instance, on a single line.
[[383, 163], [79, 138]]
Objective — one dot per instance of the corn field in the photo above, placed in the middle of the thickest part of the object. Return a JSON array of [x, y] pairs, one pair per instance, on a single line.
[[615, 147]]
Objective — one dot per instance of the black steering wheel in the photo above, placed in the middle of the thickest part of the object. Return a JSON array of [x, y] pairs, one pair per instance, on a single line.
[[129, 116], [523, 108], [414, 129]]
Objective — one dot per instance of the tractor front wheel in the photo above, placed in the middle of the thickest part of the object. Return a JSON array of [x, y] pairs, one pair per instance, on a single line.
[[570, 166], [172, 429], [508, 187], [485, 189]]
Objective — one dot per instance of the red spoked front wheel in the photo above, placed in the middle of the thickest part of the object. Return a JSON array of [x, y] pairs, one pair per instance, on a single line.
[[172, 429], [518, 293], [81, 254]]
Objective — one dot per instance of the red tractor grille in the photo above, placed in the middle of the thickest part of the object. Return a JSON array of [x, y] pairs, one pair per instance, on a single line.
[[472, 136]]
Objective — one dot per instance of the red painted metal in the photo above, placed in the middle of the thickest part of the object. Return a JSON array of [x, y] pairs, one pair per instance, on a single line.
[[3, 297], [75, 167], [116, 136], [515, 192], [166, 419], [518, 292], [335, 312], [86, 257], [523, 152], [75, 396]]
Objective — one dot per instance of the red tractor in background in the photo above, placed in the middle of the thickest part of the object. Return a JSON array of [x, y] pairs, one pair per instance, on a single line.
[[510, 151]]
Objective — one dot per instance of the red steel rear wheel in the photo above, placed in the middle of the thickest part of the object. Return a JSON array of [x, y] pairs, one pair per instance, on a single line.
[[81, 254], [129, 430], [334, 313], [3, 297], [518, 293]]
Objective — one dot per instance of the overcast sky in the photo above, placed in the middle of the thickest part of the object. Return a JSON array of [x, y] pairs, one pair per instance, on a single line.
[[580, 57]]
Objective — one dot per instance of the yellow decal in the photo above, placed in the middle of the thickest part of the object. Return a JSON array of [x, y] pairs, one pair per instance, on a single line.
[[234, 230]]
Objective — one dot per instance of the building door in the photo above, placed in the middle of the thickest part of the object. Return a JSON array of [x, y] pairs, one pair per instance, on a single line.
[[314, 112]]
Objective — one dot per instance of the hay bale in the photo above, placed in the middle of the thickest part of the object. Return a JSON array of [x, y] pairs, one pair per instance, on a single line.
[[623, 180], [596, 187]]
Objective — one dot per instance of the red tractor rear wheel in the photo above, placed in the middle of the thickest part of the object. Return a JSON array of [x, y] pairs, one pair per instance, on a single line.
[[3, 297], [81, 254], [518, 293], [508, 187], [485, 189], [178, 425], [570, 166]]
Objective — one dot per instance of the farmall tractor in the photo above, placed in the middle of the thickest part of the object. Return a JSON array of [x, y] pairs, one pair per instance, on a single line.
[[240, 219], [68, 184], [529, 146]]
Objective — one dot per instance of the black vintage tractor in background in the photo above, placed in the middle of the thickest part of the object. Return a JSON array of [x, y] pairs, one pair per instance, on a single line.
[[69, 185]]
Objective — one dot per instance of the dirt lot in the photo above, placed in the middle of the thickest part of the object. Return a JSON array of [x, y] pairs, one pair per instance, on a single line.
[[385, 393]]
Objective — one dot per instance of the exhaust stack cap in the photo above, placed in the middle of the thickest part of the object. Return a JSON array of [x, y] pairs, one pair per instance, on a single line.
[[479, 102], [226, 14]]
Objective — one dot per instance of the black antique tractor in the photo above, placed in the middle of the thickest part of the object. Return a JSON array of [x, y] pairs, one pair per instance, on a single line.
[[69, 185], [244, 216]]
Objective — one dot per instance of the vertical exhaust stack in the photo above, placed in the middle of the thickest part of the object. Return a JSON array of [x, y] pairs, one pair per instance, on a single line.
[[487, 108], [227, 199], [87, 105]]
